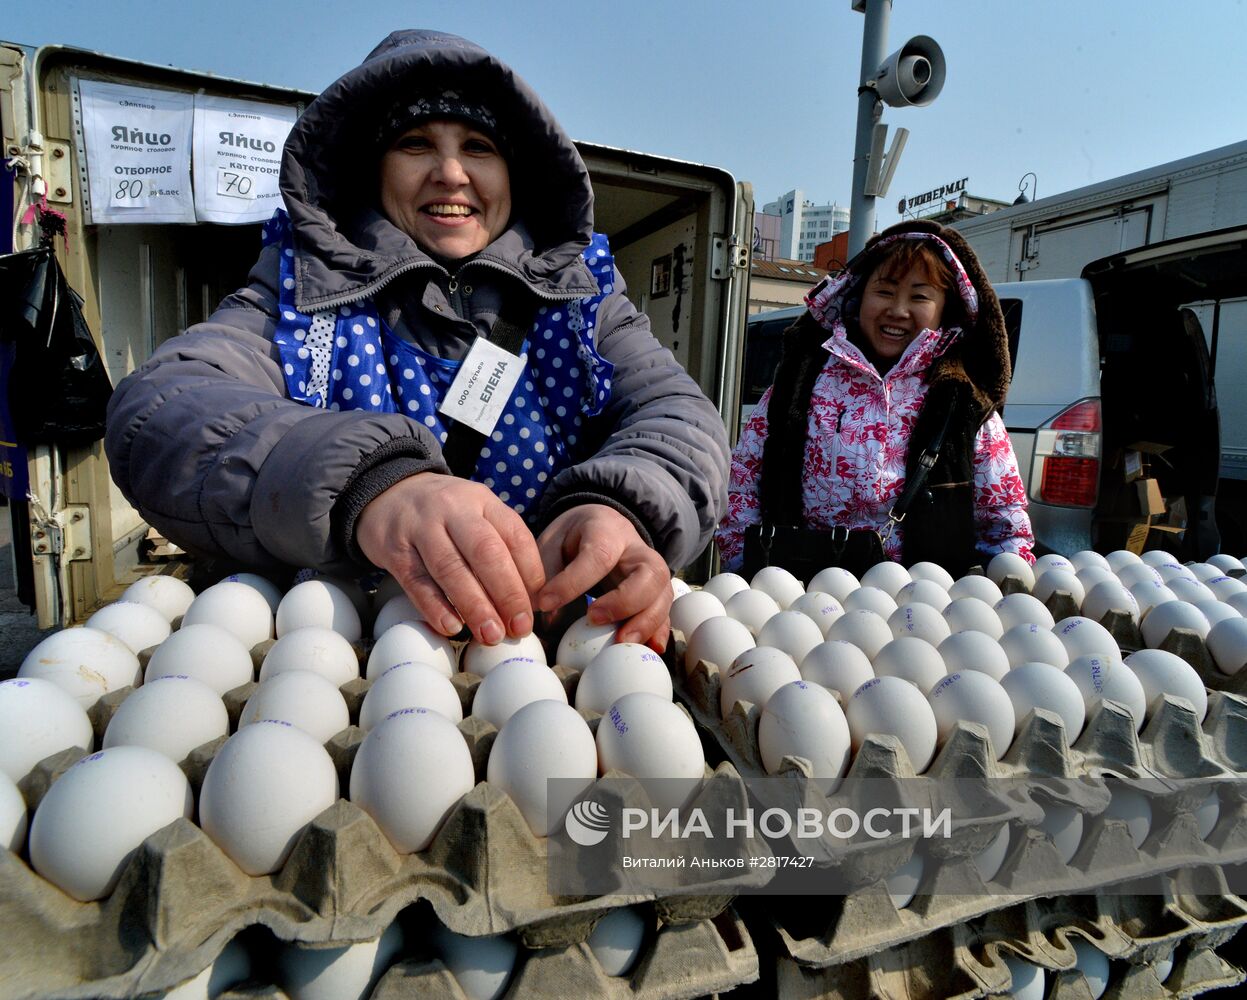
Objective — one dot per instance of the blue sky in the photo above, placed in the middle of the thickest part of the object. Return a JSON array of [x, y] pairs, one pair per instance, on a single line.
[[1076, 92]]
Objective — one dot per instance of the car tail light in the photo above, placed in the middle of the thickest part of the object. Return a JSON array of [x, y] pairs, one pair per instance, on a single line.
[[1067, 457]]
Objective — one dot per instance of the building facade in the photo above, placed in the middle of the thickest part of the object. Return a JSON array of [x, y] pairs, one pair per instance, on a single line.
[[804, 225]]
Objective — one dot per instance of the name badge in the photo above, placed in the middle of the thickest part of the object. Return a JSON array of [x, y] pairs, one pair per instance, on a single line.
[[480, 391]]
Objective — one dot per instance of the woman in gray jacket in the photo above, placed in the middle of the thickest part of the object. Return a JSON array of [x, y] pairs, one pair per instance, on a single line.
[[433, 370]]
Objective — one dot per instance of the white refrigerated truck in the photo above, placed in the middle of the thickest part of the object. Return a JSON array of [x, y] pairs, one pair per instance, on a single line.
[[1127, 308], [680, 232]]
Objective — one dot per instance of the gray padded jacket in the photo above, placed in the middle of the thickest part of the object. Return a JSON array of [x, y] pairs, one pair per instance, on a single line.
[[204, 443]]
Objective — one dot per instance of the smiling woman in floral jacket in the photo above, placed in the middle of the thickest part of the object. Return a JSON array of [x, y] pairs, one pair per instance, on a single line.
[[911, 333]]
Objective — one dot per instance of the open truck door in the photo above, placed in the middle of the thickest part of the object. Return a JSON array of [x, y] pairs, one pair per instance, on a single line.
[[679, 232]]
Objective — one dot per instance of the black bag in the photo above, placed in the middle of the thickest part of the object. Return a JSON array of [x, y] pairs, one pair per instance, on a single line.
[[58, 388], [805, 552]]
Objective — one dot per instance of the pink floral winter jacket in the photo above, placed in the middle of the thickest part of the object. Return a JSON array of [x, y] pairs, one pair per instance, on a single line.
[[860, 423]]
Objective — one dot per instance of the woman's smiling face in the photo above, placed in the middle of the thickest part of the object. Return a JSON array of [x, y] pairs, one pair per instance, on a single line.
[[447, 186], [897, 307]]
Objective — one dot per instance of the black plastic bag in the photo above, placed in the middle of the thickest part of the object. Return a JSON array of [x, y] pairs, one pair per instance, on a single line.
[[58, 388]]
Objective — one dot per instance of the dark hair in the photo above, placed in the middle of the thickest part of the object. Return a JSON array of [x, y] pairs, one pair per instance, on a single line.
[[899, 256]]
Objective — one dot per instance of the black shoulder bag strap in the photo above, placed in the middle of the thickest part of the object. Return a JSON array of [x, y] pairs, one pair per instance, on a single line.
[[917, 479], [462, 449]]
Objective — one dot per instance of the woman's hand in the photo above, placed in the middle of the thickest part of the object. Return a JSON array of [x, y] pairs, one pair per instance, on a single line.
[[591, 543], [460, 553]]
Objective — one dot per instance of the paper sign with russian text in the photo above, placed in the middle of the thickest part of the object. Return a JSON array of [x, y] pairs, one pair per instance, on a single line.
[[238, 158]]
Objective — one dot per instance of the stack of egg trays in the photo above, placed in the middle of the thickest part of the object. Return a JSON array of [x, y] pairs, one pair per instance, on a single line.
[[180, 899], [1184, 915], [1173, 753]]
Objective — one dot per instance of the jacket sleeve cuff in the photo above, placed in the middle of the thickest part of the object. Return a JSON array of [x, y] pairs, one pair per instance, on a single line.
[[566, 503], [393, 462]]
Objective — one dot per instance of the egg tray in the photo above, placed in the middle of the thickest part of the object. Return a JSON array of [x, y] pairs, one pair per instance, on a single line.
[[676, 962], [1174, 753], [180, 896], [1187, 644], [1187, 917]]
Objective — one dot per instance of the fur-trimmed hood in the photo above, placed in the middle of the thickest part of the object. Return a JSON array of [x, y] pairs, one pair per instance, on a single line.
[[979, 357]]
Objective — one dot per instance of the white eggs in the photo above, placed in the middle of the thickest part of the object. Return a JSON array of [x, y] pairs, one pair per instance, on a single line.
[[235, 607], [1227, 642], [834, 580], [870, 599], [83, 662], [1138, 573], [989, 860], [1217, 611], [679, 588], [1028, 643], [12, 816], [1191, 591], [1092, 575], [97, 814], [1226, 563], [319, 604], [752, 608], [692, 609], [398, 608], [480, 659], [1093, 964], [893, 707], [923, 592], [1026, 979], [137, 625], [887, 576], [413, 685], [172, 715], [1083, 637], [261, 585], [724, 585], [793, 632], [209, 653], [754, 676], [412, 642], [865, 629], [1132, 808], [1120, 558], [838, 666], [1087, 558], [262, 788], [165, 594], [1064, 826], [971, 650], [1049, 562], [543, 740], [1164, 618], [1007, 564], [482, 966], [1022, 609], [1059, 581], [981, 587], [919, 621], [931, 571], [583, 641], [902, 884], [315, 648], [1041, 685], [616, 940], [651, 739], [304, 699], [718, 641], [1099, 677], [1150, 594], [38, 719], [513, 684], [805, 720], [970, 614], [973, 697], [1108, 596], [1161, 672], [618, 670], [822, 609], [348, 972], [778, 583], [409, 774], [911, 659], [1207, 813]]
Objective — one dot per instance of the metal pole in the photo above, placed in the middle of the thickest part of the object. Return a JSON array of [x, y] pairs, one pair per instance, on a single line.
[[869, 107]]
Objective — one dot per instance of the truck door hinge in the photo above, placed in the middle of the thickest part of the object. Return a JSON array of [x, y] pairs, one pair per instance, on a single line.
[[66, 533], [727, 256]]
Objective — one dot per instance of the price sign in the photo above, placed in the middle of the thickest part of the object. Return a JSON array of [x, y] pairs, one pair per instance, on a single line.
[[138, 144], [237, 162]]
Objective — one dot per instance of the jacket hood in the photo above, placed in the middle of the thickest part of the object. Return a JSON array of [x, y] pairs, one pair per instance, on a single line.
[[979, 357], [331, 161]]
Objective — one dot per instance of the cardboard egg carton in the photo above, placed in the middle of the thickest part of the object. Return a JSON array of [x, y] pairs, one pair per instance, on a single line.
[[180, 898]]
